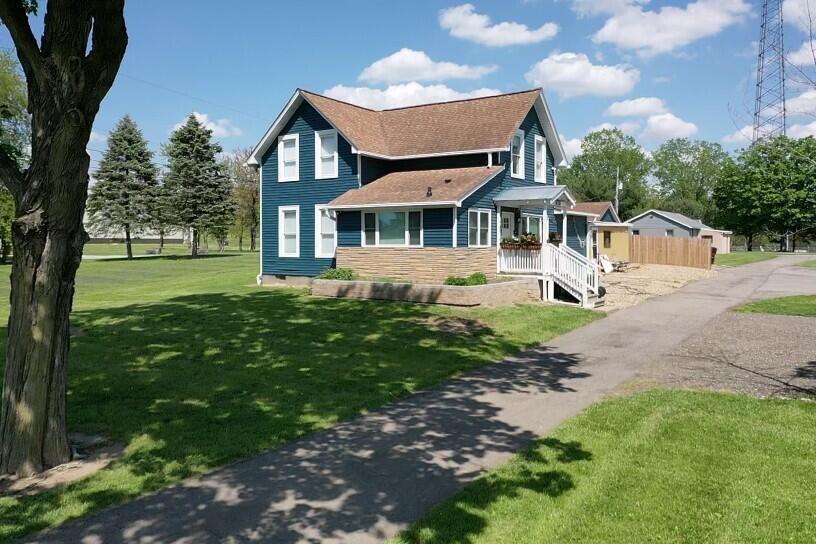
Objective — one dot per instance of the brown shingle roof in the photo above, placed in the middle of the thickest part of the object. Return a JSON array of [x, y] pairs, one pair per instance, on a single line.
[[462, 125], [447, 185], [596, 208]]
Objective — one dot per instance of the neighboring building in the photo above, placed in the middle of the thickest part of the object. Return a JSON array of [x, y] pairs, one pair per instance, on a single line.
[[608, 235], [418, 193], [662, 223]]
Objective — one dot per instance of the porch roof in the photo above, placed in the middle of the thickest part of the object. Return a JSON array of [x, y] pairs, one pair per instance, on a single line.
[[557, 196]]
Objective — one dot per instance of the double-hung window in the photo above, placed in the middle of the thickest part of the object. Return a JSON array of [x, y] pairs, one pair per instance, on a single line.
[[326, 154], [289, 157], [392, 228], [289, 231], [517, 155], [479, 228], [325, 233], [540, 159]]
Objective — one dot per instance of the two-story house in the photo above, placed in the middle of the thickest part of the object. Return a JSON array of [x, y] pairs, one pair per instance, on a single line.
[[420, 193]]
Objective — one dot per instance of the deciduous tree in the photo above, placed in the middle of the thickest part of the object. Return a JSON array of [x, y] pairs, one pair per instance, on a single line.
[[593, 172], [15, 134], [121, 199], [245, 192], [68, 73]]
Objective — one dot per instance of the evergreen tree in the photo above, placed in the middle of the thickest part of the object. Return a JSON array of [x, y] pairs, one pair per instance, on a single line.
[[160, 211], [120, 200], [201, 195], [592, 174]]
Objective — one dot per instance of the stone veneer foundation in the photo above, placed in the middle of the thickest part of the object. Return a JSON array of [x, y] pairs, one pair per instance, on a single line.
[[418, 265]]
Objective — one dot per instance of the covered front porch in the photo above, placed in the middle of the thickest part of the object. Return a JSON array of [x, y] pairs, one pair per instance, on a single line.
[[531, 243]]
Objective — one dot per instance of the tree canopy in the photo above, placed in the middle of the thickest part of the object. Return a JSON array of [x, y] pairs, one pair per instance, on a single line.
[[593, 172], [121, 199]]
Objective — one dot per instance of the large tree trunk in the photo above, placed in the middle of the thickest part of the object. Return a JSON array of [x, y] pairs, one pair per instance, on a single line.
[[241, 240], [194, 242], [750, 242], [253, 235], [128, 243], [66, 83], [48, 242]]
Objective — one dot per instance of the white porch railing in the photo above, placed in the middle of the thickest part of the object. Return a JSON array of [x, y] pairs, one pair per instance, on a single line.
[[520, 261], [570, 269]]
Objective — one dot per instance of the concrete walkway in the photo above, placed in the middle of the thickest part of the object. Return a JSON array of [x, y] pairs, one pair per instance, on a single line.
[[365, 480]]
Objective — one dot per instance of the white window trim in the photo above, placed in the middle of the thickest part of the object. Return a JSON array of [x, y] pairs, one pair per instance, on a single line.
[[318, 221], [543, 159], [520, 173], [478, 226], [526, 221], [281, 210], [319, 135], [281, 139], [377, 228]]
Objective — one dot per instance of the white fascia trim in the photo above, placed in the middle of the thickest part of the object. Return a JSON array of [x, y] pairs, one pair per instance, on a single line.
[[430, 155], [281, 210], [482, 184], [391, 205], [611, 224], [318, 136], [573, 212], [550, 131], [657, 212]]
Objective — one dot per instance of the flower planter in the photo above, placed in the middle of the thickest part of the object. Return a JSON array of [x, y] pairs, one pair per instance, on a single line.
[[528, 246]]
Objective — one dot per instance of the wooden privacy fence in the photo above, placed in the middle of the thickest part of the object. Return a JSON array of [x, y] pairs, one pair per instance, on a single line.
[[694, 252]]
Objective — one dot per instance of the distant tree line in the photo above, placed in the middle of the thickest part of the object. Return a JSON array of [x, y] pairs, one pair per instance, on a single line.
[[768, 189], [196, 191]]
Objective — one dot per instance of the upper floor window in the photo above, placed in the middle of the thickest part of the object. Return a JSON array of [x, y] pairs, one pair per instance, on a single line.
[[289, 157], [517, 155], [540, 159], [326, 154]]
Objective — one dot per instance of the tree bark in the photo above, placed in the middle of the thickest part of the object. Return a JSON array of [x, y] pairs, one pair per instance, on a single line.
[[128, 243], [750, 242], [253, 234], [241, 240], [194, 242], [66, 84]]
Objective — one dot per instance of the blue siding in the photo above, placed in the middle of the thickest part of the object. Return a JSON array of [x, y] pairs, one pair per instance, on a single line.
[[348, 229], [306, 193], [483, 198], [656, 225], [438, 225], [577, 233], [607, 216]]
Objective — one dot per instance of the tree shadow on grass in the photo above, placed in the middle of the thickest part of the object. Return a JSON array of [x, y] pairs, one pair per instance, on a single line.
[[168, 257], [198, 381]]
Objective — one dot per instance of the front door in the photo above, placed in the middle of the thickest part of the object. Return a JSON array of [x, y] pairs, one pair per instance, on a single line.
[[507, 228]]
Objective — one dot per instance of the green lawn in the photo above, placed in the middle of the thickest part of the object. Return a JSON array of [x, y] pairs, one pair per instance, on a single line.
[[738, 258], [809, 264], [662, 466], [192, 366], [803, 305], [138, 249]]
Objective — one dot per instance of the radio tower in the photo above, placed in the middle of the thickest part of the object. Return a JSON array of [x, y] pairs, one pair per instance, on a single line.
[[769, 109]]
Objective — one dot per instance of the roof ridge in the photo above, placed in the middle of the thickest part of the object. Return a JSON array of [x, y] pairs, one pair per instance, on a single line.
[[338, 100], [471, 99]]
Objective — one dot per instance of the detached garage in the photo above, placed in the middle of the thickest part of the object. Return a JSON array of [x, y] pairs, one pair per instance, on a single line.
[[662, 223]]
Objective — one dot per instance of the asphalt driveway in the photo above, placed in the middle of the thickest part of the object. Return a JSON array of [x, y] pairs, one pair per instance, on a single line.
[[365, 480]]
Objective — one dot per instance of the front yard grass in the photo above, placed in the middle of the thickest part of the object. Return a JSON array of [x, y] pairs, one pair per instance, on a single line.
[[661, 466], [803, 305], [192, 366], [739, 258], [809, 264]]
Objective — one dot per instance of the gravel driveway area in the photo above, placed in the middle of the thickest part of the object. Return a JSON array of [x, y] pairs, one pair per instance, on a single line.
[[757, 354], [643, 281]]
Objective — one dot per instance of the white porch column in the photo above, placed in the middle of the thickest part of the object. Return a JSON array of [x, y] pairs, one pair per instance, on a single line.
[[564, 227]]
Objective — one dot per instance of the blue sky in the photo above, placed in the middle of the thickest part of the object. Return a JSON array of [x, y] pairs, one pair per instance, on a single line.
[[657, 69]]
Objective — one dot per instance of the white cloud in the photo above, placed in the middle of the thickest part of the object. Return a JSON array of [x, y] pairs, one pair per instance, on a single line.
[[405, 94], [804, 104], [98, 137], [740, 136], [463, 22], [573, 74], [637, 107], [628, 127], [665, 126], [804, 56], [799, 13], [598, 7], [802, 131], [221, 128], [409, 65], [572, 147], [653, 32]]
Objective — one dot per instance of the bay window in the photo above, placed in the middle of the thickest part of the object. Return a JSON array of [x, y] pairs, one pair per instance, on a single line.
[[392, 228]]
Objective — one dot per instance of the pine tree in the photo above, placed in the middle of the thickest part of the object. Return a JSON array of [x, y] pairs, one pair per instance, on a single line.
[[120, 200], [199, 191]]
